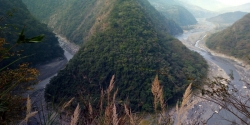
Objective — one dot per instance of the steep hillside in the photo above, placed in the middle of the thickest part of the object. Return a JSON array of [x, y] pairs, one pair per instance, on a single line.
[[233, 41], [78, 20], [227, 18], [135, 47], [12, 26]]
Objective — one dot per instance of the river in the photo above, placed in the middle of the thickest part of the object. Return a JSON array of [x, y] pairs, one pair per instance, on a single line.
[[42, 84], [225, 64]]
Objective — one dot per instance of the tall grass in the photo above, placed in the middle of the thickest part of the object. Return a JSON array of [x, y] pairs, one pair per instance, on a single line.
[[110, 112]]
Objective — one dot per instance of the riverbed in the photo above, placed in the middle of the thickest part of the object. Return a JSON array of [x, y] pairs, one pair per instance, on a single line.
[[203, 110], [47, 72]]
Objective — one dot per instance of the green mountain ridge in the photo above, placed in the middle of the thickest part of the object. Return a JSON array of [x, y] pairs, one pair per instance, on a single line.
[[135, 46], [37, 53], [78, 20], [233, 41]]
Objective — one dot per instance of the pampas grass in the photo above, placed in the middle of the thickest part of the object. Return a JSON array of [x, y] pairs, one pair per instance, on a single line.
[[110, 115], [157, 91], [180, 111], [75, 116], [29, 114]]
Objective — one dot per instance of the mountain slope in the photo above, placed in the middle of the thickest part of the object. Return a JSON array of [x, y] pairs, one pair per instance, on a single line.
[[134, 47], [233, 41], [175, 12], [228, 18], [47, 50], [78, 20]]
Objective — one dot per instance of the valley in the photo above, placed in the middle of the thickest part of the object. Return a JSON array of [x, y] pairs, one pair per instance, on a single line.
[[144, 53], [219, 66]]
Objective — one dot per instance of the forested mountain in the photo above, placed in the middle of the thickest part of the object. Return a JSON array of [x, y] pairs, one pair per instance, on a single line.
[[175, 12], [195, 10], [233, 41], [135, 46], [79, 19], [227, 18], [11, 27]]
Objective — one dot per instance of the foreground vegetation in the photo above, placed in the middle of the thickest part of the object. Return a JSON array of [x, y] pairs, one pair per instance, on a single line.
[[134, 47]]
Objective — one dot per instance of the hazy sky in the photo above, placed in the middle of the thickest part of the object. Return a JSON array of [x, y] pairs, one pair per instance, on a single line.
[[234, 2]]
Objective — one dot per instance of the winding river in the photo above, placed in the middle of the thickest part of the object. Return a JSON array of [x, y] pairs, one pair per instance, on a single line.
[[225, 64]]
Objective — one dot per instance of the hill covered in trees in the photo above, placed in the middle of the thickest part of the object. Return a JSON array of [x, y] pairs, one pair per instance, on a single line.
[[15, 16], [79, 20], [175, 12], [134, 46], [233, 41], [227, 18]]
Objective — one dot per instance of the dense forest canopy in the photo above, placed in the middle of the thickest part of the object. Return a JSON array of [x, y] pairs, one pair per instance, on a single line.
[[78, 20], [135, 46], [38, 53], [233, 41]]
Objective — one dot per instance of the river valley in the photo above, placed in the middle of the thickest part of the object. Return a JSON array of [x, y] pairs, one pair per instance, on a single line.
[[205, 111], [202, 110]]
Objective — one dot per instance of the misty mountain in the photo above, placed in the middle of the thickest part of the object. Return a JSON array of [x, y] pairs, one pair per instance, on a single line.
[[197, 11], [135, 45], [243, 8], [37, 53], [233, 41], [175, 12], [227, 18], [211, 5]]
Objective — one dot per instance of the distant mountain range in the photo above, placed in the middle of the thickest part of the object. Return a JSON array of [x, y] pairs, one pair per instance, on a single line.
[[233, 41], [195, 10], [243, 8], [175, 12], [227, 18], [211, 5], [78, 20]]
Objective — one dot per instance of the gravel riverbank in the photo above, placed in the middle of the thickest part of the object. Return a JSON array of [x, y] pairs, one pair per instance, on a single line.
[[47, 71]]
